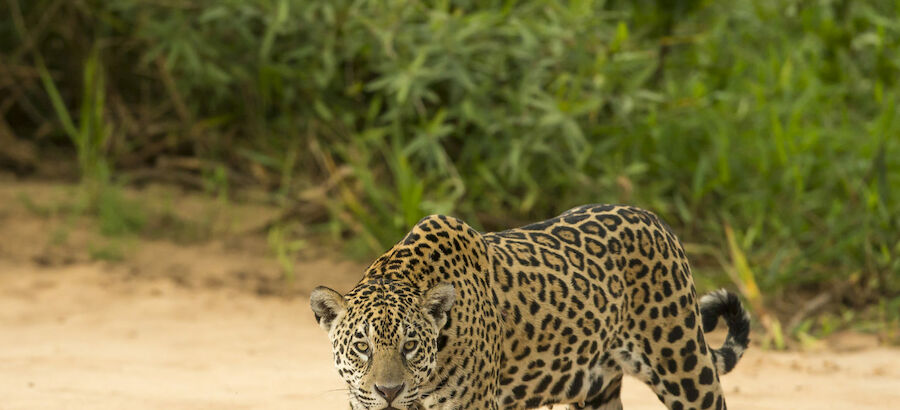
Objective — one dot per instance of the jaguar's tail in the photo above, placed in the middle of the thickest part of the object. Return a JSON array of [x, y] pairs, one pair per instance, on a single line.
[[727, 305]]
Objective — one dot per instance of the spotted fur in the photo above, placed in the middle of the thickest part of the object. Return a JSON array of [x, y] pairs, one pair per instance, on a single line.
[[551, 313]]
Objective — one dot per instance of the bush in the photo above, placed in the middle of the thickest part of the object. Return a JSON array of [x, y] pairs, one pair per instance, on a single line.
[[771, 118]]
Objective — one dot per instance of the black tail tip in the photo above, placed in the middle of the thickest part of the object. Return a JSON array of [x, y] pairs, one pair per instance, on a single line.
[[727, 305]]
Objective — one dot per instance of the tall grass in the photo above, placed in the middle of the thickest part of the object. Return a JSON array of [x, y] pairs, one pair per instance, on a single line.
[[91, 133], [773, 118]]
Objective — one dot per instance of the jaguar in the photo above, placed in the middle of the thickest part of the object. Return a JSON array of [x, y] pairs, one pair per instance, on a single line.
[[555, 312]]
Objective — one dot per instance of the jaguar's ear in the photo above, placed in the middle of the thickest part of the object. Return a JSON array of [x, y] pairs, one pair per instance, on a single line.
[[326, 305], [438, 301]]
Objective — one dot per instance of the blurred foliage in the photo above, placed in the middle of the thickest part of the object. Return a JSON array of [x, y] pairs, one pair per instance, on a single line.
[[773, 117]]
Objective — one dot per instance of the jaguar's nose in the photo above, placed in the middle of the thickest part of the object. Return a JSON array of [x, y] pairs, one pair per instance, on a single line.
[[389, 392]]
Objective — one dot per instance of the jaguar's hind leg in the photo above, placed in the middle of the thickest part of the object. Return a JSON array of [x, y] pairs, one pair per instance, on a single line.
[[685, 379], [694, 386]]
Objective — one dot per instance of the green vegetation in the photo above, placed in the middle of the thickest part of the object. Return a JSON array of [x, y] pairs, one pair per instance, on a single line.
[[764, 131]]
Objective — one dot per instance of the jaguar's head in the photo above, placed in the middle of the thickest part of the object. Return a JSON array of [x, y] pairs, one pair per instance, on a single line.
[[384, 336]]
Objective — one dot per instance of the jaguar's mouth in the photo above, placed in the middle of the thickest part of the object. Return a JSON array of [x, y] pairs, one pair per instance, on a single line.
[[402, 405], [413, 406]]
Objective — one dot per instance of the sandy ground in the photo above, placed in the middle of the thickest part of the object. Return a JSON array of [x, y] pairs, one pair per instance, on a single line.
[[182, 327]]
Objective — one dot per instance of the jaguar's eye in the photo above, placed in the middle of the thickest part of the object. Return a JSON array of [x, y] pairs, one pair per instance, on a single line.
[[362, 346], [409, 346]]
